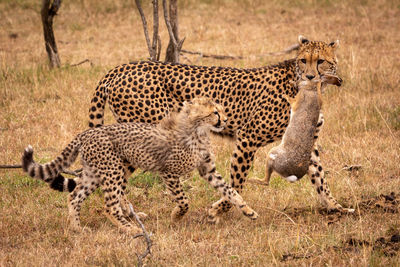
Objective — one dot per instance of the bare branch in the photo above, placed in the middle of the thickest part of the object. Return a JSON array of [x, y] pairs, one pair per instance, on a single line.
[[187, 59], [171, 21], [168, 23], [180, 44], [10, 166], [73, 173], [211, 55], [156, 42], [54, 7], [83, 61], [145, 29], [158, 47], [155, 27], [279, 53], [146, 236], [284, 52], [352, 168]]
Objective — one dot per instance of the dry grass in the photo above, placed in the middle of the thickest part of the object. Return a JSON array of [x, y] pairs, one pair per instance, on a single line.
[[46, 108]]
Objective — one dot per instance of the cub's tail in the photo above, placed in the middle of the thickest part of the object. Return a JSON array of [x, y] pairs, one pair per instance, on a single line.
[[51, 172]]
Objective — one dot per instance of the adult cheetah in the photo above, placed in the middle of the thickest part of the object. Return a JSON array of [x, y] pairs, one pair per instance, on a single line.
[[253, 99], [174, 147]]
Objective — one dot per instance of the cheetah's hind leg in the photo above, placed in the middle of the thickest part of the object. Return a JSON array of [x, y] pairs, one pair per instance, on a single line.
[[115, 199], [174, 186], [127, 207], [88, 182]]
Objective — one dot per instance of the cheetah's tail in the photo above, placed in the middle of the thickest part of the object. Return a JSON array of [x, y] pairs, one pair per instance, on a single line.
[[97, 105], [51, 172]]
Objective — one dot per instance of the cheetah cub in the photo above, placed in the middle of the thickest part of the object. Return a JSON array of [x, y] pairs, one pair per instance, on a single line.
[[172, 148], [297, 154]]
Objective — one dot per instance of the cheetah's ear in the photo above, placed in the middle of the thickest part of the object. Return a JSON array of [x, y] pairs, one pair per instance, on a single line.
[[334, 44], [302, 40]]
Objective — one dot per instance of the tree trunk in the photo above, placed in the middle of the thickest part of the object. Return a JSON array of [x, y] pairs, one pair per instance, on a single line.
[[172, 53], [49, 10]]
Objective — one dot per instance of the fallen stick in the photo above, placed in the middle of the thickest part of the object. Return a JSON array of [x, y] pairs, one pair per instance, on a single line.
[[146, 236], [210, 55], [73, 173], [352, 168], [279, 53], [83, 61]]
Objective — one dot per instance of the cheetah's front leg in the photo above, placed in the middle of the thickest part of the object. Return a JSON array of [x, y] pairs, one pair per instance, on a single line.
[[317, 175], [241, 161], [208, 172]]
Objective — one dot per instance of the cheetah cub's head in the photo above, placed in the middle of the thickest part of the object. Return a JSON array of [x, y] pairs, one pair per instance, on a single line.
[[316, 59], [205, 114]]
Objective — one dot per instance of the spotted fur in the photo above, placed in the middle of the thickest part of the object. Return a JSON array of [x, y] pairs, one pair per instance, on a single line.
[[174, 147], [253, 99]]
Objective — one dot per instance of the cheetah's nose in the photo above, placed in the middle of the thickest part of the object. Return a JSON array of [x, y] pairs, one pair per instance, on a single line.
[[310, 77]]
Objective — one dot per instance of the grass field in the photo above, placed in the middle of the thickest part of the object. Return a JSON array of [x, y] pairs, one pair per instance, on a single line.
[[46, 108]]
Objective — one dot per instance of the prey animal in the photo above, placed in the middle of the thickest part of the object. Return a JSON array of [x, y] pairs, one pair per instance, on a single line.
[[297, 154]]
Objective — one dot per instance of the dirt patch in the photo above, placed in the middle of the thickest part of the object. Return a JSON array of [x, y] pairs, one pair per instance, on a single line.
[[294, 256], [384, 203], [387, 203], [389, 246]]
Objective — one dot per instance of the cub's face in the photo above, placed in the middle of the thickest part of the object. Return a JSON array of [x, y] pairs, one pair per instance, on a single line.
[[207, 114], [316, 59]]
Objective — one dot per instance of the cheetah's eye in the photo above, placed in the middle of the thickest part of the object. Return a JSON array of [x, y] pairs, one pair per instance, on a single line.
[[303, 60], [320, 61]]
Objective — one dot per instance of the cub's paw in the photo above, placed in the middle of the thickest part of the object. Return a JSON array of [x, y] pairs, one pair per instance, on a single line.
[[177, 214], [130, 214], [213, 217], [339, 208], [347, 210], [249, 212], [142, 216], [131, 230]]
